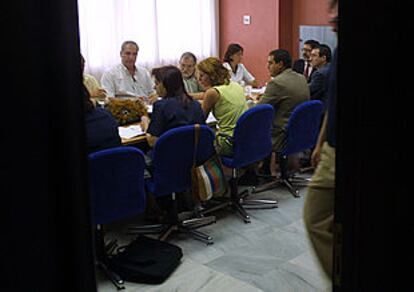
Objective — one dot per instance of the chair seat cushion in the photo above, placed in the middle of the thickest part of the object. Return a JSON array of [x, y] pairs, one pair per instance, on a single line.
[[234, 163], [163, 189]]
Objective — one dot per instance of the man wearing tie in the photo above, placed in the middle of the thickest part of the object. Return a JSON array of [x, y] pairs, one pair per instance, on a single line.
[[303, 65]]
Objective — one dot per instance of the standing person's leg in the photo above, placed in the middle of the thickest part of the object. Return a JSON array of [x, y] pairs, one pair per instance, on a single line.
[[319, 208]]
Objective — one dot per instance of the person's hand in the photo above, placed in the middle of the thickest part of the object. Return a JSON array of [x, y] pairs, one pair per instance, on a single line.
[[152, 98], [144, 123], [142, 98], [99, 93]]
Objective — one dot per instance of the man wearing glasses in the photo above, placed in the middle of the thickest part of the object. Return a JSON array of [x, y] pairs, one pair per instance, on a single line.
[[303, 66]]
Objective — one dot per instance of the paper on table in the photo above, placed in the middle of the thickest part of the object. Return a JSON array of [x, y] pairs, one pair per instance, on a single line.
[[210, 118], [130, 131], [258, 90]]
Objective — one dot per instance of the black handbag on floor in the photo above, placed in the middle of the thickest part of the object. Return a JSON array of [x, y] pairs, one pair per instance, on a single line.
[[146, 260]]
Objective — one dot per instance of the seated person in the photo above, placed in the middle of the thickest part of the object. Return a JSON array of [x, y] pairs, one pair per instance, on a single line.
[[224, 98], [303, 65], [91, 83], [187, 67], [320, 59], [127, 79], [238, 72], [101, 127], [176, 108], [286, 90]]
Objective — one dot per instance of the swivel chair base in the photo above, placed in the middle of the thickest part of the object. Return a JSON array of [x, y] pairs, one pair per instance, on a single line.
[[221, 203], [102, 259], [111, 275], [182, 226], [189, 227], [251, 203], [241, 201], [290, 183]]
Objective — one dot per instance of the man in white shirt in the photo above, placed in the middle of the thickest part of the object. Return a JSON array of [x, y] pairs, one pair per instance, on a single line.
[[127, 79]]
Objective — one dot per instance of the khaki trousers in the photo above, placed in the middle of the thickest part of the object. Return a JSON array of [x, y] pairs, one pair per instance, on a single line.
[[318, 209]]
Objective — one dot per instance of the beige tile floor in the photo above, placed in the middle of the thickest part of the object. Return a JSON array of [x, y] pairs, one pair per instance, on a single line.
[[272, 253]]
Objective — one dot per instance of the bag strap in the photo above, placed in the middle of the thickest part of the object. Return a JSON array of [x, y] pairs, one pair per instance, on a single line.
[[196, 138]]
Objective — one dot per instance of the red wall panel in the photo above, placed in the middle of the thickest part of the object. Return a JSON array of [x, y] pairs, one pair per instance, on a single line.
[[257, 39], [274, 24], [307, 12]]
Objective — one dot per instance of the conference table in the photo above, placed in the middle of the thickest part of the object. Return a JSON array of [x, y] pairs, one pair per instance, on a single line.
[[132, 134]]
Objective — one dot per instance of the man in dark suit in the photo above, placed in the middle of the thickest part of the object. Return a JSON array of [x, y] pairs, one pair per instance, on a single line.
[[303, 66], [320, 59]]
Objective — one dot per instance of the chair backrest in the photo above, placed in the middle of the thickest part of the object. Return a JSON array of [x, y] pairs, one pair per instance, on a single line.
[[252, 137], [173, 158], [116, 184], [303, 127]]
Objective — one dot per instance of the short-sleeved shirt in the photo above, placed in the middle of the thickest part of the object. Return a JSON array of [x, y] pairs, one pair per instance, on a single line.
[[169, 113], [242, 75], [101, 130], [118, 81]]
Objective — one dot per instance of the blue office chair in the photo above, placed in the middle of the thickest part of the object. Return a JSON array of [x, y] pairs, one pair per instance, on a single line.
[[252, 142], [117, 192], [302, 132], [172, 158]]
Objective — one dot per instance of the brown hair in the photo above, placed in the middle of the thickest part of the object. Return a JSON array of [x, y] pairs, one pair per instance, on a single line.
[[231, 50], [214, 68], [172, 80]]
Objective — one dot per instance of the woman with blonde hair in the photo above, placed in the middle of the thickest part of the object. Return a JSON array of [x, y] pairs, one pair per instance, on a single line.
[[224, 98]]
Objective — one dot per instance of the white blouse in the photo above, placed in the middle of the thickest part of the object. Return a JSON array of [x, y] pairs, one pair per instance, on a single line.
[[242, 76]]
